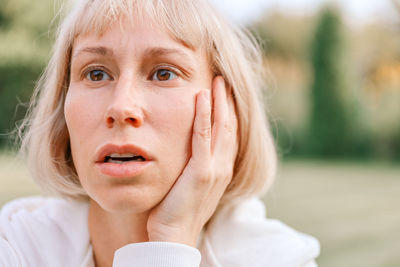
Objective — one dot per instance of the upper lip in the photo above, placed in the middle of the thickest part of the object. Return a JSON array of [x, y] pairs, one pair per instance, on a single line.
[[108, 149]]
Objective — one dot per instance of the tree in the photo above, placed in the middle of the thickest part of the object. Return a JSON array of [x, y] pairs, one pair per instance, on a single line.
[[328, 126], [4, 18]]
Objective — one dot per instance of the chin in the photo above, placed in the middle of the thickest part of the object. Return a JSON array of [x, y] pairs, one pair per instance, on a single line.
[[127, 200]]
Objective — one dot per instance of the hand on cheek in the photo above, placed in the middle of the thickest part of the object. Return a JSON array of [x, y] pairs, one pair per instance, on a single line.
[[196, 193]]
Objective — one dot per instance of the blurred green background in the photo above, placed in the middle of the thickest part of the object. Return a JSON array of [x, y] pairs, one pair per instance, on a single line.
[[333, 100]]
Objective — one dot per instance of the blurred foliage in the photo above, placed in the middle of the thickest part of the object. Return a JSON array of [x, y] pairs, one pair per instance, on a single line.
[[16, 83], [367, 77], [4, 18], [283, 36], [24, 49], [26, 36]]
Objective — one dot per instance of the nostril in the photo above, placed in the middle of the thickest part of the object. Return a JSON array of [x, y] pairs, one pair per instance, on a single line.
[[110, 120], [131, 120], [136, 122]]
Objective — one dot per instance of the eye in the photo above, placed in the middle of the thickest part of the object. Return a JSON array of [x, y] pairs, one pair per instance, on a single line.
[[97, 76], [164, 75]]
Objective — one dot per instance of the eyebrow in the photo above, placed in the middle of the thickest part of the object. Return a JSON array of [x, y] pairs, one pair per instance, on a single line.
[[153, 51], [100, 50], [161, 51]]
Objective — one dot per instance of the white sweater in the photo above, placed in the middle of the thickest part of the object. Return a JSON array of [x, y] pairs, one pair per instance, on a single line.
[[49, 232]]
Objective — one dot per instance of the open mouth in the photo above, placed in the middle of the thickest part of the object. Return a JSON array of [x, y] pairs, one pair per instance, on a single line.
[[122, 161], [121, 154], [123, 158]]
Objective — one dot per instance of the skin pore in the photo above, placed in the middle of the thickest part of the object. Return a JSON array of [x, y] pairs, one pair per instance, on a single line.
[[141, 87]]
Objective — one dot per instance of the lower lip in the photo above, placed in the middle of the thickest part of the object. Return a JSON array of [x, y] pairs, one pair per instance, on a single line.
[[126, 169]]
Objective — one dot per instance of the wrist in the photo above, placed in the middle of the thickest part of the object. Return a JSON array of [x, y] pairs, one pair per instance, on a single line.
[[174, 236]]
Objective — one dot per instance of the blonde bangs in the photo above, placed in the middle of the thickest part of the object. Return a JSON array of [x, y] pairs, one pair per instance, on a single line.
[[179, 18]]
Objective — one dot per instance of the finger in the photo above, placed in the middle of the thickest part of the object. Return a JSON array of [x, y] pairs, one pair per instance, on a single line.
[[221, 114], [201, 139], [233, 122]]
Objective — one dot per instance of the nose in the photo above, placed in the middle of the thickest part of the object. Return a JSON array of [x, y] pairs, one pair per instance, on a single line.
[[124, 108]]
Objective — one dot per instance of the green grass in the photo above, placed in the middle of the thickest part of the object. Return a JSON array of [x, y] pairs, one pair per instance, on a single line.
[[352, 208]]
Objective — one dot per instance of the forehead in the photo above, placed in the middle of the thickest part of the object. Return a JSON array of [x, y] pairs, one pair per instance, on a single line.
[[127, 38]]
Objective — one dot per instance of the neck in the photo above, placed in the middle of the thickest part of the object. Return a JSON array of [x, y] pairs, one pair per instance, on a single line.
[[110, 231]]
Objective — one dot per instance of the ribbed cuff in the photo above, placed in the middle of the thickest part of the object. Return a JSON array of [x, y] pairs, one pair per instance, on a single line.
[[157, 254]]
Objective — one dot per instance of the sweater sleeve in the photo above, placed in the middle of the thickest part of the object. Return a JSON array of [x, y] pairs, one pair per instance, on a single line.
[[157, 254], [8, 257], [310, 264]]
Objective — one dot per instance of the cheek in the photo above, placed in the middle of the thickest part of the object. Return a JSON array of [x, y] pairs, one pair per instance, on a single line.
[[80, 123], [174, 120], [79, 114]]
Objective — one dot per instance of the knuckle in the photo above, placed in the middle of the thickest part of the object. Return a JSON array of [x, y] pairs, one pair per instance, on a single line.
[[204, 179], [228, 127], [204, 132]]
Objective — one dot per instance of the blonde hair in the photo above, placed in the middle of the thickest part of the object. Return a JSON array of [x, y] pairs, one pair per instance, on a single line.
[[232, 54]]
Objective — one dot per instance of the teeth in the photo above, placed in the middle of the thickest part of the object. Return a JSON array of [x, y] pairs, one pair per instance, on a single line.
[[110, 160], [124, 155], [115, 161]]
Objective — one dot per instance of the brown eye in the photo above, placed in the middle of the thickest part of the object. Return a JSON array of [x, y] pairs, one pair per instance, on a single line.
[[164, 75], [97, 75]]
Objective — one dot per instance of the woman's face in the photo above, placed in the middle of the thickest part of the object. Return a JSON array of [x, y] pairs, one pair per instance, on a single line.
[[129, 112]]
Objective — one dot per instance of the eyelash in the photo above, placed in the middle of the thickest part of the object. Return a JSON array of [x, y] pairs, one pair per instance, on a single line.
[[94, 68], [174, 70]]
